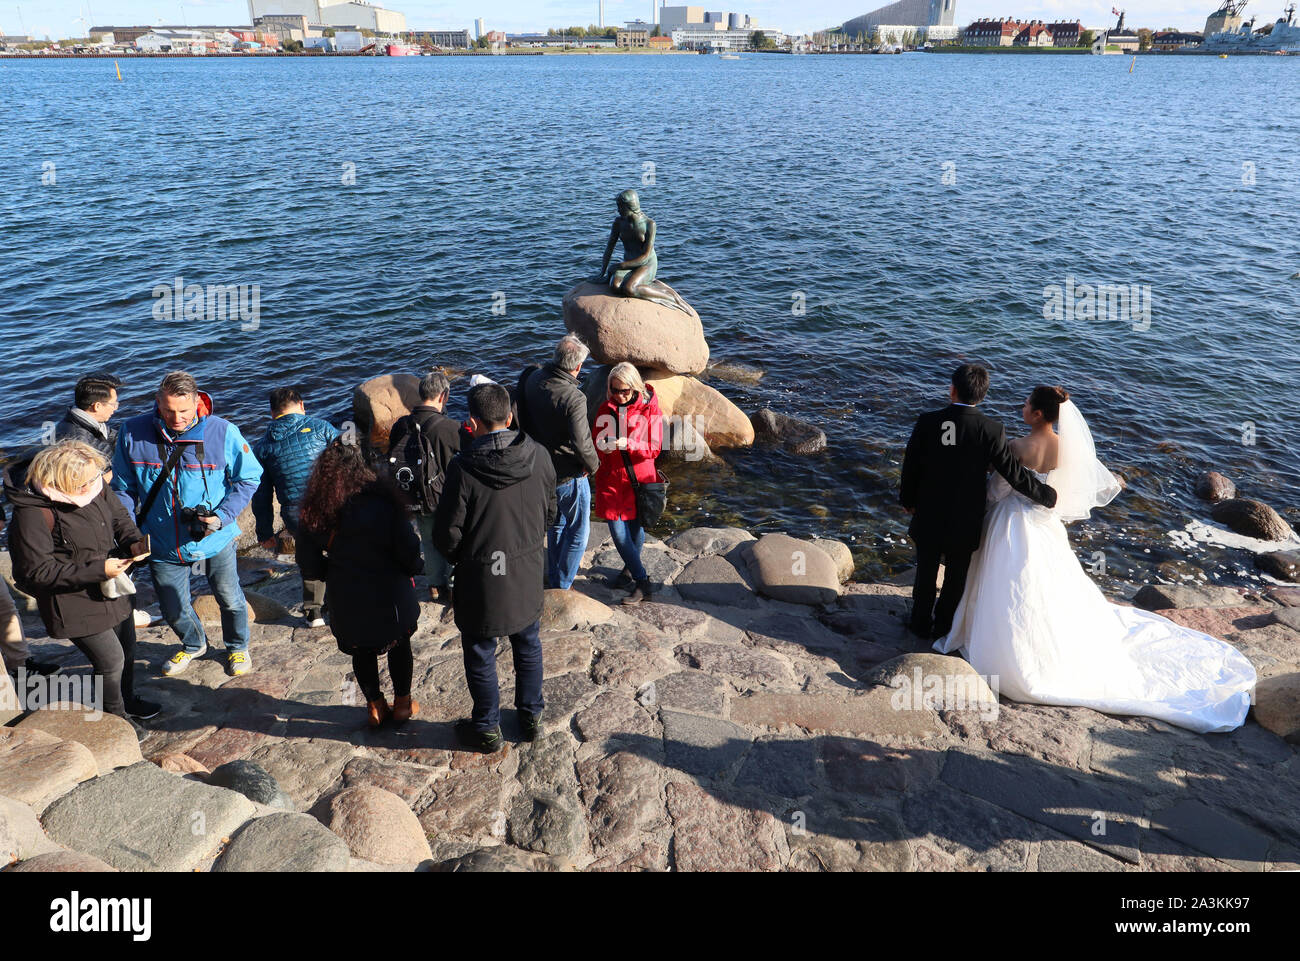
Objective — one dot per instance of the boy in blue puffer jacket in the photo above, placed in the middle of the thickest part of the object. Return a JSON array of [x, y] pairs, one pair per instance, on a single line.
[[191, 520], [292, 443]]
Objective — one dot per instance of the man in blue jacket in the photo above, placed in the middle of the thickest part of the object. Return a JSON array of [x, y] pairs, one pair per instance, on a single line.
[[208, 476], [292, 443]]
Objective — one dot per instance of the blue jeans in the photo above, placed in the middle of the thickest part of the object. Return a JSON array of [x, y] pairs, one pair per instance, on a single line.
[[481, 674], [629, 538], [566, 541], [436, 569], [172, 582]]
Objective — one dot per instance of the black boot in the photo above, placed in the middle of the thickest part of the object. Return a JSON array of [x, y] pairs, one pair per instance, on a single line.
[[643, 592], [620, 581]]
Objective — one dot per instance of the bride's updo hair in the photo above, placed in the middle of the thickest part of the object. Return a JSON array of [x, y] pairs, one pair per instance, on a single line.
[[1048, 401]]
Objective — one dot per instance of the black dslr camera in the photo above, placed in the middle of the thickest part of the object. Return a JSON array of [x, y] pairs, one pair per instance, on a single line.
[[193, 518]]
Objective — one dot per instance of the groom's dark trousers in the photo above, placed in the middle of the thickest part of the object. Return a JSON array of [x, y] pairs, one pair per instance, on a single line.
[[956, 564], [945, 474]]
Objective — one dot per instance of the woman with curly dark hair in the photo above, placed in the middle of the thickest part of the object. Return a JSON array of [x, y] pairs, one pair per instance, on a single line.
[[355, 536]]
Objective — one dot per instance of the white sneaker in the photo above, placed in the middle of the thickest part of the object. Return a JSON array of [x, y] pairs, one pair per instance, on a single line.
[[238, 662], [316, 622], [181, 660], [142, 618]]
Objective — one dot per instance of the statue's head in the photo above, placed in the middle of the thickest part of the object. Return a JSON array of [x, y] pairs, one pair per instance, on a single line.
[[628, 202]]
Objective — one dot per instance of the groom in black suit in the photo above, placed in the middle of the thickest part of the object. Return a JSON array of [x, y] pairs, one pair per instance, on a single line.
[[945, 474]]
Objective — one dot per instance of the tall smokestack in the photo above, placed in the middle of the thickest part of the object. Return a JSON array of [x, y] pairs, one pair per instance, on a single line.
[[601, 15]]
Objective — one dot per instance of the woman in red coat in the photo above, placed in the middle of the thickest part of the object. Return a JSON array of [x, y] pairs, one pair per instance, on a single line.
[[629, 422]]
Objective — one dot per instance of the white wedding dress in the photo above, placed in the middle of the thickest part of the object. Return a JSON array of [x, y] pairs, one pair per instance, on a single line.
[[1034, 620]]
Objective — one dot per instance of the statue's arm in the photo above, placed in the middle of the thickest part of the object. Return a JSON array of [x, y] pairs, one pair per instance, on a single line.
[[609, 247]]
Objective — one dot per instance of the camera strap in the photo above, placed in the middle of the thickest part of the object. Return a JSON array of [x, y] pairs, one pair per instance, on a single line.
[[157, 487]]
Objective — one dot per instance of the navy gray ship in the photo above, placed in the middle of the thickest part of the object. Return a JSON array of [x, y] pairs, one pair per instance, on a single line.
[[1226, 32]]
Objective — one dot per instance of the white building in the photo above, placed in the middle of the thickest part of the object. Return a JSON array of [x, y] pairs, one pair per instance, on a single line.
[[354, 13], [165, 40], [349, 41], [480, 29], [705, 38], [348, 13]]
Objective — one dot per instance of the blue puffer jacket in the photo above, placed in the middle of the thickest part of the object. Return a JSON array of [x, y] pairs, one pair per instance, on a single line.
[[287, 453], [217, 469]]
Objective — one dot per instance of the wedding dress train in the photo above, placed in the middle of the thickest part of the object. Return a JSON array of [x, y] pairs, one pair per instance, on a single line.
[[1032, 618]]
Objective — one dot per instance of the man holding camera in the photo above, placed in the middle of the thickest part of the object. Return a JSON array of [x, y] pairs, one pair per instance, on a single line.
[[187, 475]]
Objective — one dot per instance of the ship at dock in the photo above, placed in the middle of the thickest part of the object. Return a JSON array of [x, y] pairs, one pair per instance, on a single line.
[[1227, 33]]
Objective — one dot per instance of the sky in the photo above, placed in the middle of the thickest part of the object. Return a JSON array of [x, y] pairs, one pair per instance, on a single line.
[[71, 18]]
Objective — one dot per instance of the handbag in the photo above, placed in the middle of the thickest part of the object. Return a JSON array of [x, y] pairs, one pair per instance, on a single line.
[[652, 498]]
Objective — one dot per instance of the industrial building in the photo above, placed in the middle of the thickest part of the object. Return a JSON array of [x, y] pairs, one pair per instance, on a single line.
[[443, 39], [698, 28], [915, 14], [349, 13]]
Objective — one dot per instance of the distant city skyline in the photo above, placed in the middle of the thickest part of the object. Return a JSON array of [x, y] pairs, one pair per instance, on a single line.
[[72, 18]]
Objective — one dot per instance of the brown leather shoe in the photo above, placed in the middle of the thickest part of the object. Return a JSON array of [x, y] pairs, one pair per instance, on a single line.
[[405, 708], [377, 712]]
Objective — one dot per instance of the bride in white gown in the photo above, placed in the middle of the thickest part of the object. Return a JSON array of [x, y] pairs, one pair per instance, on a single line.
[[1033, 618]]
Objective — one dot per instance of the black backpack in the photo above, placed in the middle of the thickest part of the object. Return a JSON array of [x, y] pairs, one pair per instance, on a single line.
[[414, 469]]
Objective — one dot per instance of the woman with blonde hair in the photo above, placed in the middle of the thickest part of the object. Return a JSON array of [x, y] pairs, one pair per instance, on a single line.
[[628, 433], [71, 542]]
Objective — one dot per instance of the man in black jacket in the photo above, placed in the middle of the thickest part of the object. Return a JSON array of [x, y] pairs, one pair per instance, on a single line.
[[553, 412], [945, 476], [444, 437], [491, 523], [94, 403]]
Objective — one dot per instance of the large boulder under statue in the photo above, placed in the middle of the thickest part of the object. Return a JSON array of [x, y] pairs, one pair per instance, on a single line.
[[648, 334]]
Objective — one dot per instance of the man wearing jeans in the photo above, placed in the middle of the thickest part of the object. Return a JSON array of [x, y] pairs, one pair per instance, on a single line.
[[553, 412], [491, 521], [208, 476]]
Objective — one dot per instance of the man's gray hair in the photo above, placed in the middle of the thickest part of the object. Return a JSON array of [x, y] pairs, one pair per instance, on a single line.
[[570, 352], [433, 384], [178, 384]]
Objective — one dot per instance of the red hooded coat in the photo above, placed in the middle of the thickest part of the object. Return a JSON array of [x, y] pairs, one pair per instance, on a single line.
[[642, 424]]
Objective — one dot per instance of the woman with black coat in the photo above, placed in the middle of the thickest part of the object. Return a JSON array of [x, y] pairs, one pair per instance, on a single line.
[[355, 535], [70, 537]]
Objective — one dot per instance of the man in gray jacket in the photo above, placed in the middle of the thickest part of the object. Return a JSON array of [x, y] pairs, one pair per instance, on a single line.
[[553, 412]]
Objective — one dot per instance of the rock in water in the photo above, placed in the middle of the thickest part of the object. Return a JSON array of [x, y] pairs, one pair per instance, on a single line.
[[721, 422], [1165, 597], [251, 780], [1213, 486], [839, 552], [380, 401], [796, 436], [626, 328], [734, 373], [1252, 519], [718, 421], [1284, 565]]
